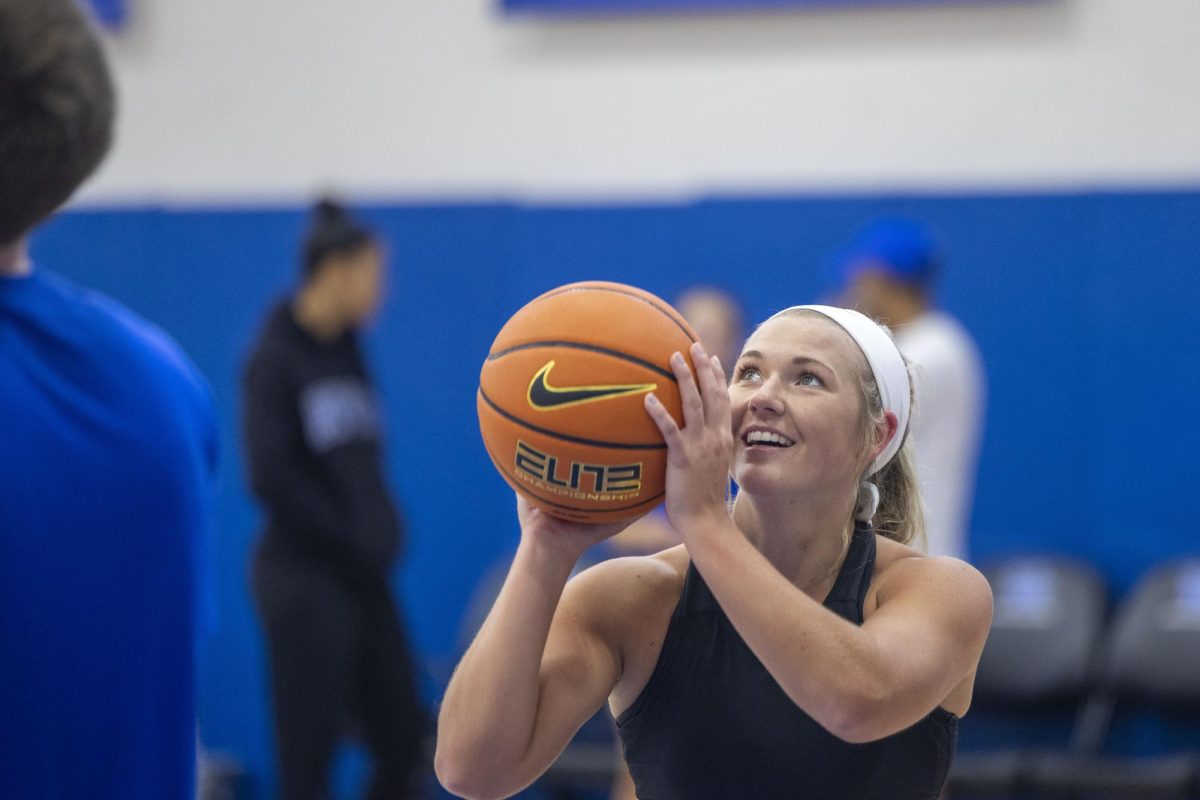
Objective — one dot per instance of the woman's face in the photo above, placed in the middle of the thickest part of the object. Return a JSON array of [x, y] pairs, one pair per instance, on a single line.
[[796, 404], [363, 285]]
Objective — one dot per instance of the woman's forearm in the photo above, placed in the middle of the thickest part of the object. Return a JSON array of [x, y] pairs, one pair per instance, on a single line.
[[825, 664], [490, 708], [861, 682]]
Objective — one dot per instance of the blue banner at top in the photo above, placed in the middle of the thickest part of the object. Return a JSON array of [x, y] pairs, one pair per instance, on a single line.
[[605, 6], [111, 13]]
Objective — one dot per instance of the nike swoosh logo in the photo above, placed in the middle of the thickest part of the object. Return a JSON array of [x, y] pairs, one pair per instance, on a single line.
[[544, 397]]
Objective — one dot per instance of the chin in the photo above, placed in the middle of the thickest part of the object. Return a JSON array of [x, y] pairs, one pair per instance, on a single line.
[[754, 480]]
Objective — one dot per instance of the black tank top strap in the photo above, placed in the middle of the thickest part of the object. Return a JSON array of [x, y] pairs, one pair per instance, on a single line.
[[849, 591], [697, 598]]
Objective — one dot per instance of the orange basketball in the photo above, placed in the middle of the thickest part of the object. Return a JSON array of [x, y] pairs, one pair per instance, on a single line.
[[561, 393]]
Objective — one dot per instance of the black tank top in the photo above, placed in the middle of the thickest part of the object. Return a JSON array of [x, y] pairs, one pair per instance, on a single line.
[[713, 723]]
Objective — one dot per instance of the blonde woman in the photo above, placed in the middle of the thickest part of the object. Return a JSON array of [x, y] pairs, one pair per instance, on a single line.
[[794, 646]]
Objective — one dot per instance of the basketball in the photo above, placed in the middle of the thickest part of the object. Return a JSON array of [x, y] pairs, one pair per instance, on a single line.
[[561, 397]]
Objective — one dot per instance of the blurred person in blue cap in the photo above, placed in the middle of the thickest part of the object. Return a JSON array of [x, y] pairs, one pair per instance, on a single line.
[[888, 272]]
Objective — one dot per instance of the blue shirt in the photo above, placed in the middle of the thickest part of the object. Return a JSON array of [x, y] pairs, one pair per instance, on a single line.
[[107, 462]]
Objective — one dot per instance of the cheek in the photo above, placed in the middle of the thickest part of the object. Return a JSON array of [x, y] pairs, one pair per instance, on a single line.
[[851, 441], [739, 401], [367, 289], [836, 430]]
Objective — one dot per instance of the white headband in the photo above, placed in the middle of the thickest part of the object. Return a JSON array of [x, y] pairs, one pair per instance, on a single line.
[[886, 364]]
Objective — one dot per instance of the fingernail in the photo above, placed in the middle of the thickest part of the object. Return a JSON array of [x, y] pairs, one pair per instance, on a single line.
[[651, 398]]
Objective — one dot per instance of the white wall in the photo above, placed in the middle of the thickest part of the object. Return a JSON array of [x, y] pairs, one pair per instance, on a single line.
[[229, 99]]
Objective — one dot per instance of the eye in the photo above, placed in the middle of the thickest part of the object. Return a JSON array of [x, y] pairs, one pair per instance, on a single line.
[[809, 379], [749, 373]]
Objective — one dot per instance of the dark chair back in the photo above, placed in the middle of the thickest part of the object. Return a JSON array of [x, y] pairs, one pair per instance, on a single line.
[[1046, 626], [1154, 652]]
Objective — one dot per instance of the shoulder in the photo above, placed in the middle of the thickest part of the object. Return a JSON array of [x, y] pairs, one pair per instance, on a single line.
[[122, 342], [903, 574], [938, 339], [166, 363], [622, 594], [156, 402], [274, 342], [632, 580]]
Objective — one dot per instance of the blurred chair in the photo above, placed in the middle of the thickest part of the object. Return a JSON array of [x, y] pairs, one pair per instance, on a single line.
[[1151, 663], [220, 777], [1037, 665]]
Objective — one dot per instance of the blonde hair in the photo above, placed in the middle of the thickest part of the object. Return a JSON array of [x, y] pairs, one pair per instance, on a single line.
[[900, 514]]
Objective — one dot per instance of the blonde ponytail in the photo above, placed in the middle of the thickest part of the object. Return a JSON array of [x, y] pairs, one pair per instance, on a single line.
[[900, 515]]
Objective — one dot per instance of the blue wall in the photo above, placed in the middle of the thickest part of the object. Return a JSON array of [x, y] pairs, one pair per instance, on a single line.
[[1083, 306]]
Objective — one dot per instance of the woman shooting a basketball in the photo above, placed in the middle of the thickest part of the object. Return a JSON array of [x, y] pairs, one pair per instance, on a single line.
[[794, 647]]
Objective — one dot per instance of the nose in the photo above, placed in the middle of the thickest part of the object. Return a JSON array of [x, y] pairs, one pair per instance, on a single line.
[[766, 399]]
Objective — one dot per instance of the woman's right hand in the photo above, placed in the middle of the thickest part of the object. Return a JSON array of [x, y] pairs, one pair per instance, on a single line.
[[570, 537]]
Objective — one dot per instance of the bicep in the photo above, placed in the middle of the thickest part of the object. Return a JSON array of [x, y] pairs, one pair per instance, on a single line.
[[930, 629]]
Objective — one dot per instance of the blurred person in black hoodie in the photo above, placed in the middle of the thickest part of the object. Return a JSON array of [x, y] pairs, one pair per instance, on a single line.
[[339, 657]]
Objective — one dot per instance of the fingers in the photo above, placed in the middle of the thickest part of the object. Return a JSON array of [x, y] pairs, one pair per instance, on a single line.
[[711, 380], [704, 393], [689, 393], [703, 397], [714, 390], [721, 408], [663, 419]]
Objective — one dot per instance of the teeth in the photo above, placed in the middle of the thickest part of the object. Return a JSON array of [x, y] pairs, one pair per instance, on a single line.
[[766, 437]]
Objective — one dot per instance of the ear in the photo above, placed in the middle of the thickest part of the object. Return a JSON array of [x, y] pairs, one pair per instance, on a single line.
[[884, 433]]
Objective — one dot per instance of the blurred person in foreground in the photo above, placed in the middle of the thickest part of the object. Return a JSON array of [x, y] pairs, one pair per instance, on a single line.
[[339, 657], [108, 448], [889, 272]]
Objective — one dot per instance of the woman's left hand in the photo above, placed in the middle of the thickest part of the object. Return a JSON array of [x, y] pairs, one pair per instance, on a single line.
[[699, 453]]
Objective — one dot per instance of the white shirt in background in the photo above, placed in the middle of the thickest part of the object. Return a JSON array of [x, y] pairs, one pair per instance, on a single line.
[[947, 424]]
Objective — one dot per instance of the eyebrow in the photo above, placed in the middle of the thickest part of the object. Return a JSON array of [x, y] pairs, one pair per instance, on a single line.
[[796, 360]]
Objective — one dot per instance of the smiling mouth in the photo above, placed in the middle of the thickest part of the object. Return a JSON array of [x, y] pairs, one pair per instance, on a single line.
[[766, 439]]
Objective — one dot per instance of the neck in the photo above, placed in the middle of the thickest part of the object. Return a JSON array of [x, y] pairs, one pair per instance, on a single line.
[[14, 259], [905, 308], [316, 312], [802, 537]]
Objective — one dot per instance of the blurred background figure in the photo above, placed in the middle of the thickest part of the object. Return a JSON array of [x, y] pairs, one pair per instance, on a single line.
[[339, 657], [717, 319], [889, 270], [108, 450]]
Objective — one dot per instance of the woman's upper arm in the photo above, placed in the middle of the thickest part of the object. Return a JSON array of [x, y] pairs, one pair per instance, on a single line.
[[929, 629]]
